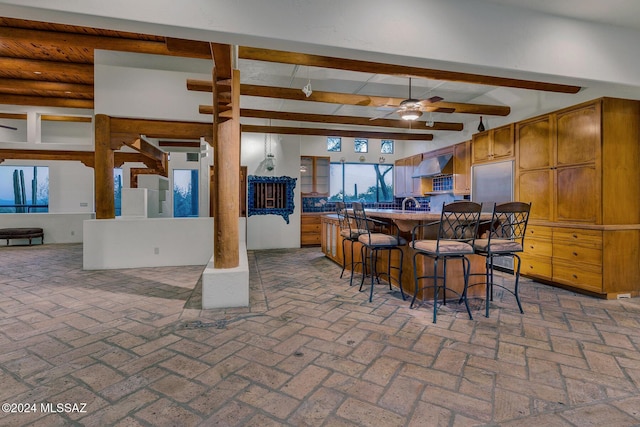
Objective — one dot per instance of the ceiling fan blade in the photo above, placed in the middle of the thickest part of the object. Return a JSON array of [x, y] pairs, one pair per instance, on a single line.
[[444, 110], [8, 127], [383, 116]]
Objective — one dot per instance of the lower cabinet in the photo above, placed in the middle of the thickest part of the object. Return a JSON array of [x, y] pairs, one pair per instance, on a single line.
[[310, 230], [331, 239], [576, 257], [536, 259]]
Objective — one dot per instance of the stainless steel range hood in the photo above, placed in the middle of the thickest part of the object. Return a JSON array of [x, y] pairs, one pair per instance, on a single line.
[[432, 166]]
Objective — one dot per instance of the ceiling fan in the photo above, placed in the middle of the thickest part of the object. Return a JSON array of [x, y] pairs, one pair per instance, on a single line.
[[411, 109]]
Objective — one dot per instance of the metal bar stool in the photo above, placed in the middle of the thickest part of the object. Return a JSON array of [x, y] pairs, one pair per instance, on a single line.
[[374, 242], [505, 238], [457, 230], [349, 232]]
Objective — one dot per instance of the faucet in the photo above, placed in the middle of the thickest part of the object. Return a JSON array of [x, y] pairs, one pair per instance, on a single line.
[[406, 199]]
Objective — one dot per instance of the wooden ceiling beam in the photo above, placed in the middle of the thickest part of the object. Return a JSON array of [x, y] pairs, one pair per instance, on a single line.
[[270, 55], [335, 132], [13, 85], [188, 47], [13, 116], [42, 101], [350, 99], [162, 129], [343, 120], [184, 144], [221, 54], [58, 118], [74, 71], [146, 149], [60, 39], [86, 157]]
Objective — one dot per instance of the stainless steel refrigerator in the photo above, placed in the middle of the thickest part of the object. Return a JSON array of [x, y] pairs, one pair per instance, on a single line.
[[493, 183]]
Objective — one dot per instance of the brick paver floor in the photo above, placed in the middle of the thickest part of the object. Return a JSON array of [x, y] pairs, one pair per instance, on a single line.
[[133, 348]]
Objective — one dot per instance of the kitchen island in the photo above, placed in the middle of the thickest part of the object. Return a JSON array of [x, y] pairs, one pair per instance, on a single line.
[[405, 221]]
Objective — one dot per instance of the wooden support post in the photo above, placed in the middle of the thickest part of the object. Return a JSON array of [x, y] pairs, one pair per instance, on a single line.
[[226, 158], [103, 169]]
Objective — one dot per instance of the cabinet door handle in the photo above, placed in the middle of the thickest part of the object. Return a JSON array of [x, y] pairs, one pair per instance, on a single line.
[[575, 254], [575, 277], [575, 236]]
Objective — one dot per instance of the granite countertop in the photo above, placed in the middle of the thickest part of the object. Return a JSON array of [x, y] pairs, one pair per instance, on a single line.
[[404, 215]]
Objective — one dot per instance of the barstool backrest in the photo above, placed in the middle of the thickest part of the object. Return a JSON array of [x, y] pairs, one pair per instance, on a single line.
[[360, 217], [459, 222], [509, 222], [343, 216]]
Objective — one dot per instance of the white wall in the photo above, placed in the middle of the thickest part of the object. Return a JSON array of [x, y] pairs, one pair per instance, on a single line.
[[57, 228], [271, 231]]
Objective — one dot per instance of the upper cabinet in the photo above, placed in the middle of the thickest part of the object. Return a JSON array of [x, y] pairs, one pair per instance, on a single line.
[[314, 176], [493, 145], [404, 183], [580, 164], [558, 165], [462, 168]]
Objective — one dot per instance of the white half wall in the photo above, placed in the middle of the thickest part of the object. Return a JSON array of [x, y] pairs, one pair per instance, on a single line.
[[58, 228], [149, 242]]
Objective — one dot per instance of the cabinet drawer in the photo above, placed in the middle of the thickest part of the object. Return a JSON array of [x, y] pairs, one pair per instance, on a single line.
[[310, 219], [574, 236], [538, 232], [310, 228], [577, 253], [536, 267], [310, 239], [538, 247], [579, 275]]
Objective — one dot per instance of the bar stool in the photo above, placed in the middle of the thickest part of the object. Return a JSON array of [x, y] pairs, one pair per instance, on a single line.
[[505, 238], [457, 230], [373, 242], [349, 232]]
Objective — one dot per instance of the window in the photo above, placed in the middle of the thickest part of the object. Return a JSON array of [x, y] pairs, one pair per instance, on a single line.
[[117, 190], [24, 189], [334, 143], [185, 192], [386, 146], [361, 181], [361, 145]]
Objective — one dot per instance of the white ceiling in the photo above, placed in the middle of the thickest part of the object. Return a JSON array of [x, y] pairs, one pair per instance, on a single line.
[[446, 34], [623, 13]]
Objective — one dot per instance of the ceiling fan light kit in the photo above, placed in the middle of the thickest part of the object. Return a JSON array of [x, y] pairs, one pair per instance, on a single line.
[[410, 114]]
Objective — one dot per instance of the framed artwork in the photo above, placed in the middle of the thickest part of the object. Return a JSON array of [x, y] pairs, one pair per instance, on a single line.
[[361, 145], [386, 147], [334, 143]]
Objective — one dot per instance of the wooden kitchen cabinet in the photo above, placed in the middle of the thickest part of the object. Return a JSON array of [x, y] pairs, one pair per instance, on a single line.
[[538, 249], [557, 163], [314, 179], [331, 239], [404, 183], [399, 181], [310, 229], [579, 168], [493, 145], [462, 168]]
